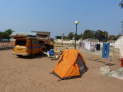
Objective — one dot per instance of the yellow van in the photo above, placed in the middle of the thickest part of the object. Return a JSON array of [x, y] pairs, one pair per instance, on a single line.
[[29, 45]]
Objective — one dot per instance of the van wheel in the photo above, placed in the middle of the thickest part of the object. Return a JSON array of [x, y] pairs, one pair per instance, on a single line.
[[19, 55], [31, 56]]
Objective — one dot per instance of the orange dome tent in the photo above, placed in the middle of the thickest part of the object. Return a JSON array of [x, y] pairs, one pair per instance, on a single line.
[[70, 64]]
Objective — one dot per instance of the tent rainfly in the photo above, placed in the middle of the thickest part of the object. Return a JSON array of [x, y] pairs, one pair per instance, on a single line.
[[70, 65]]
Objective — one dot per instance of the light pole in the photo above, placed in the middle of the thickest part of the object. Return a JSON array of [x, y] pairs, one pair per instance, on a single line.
[[76, 23], [62, 39]]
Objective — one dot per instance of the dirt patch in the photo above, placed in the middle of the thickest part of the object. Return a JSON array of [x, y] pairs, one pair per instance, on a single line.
[[33, 75]]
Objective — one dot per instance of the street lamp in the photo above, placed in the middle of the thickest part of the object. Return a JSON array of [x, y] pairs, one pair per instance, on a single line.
[[76, 23]]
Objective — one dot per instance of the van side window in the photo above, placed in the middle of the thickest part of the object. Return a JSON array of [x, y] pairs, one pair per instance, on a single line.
[[21, 42], [35, 42]]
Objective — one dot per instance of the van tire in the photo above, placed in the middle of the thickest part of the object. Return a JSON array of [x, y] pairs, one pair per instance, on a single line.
[[19, 55]]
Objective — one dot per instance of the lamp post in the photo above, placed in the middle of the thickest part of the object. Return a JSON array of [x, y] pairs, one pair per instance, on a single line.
[[76, 23]]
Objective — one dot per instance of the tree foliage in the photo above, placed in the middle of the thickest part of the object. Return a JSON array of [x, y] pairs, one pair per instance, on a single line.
[[58, 37], [113, 37], [121, 4], [101, 35], [71, 35], [6, 34], [88, 34]]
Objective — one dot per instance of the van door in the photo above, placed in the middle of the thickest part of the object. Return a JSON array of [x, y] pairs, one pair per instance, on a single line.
[[35, 47]]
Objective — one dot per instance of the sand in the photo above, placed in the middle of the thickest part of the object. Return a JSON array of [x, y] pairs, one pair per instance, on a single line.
[[33, 75]]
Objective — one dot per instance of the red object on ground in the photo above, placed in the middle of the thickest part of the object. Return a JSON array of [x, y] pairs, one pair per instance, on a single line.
[[121, 62]]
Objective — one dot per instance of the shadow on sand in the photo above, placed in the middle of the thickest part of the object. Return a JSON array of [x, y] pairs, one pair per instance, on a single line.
[[32, 56]]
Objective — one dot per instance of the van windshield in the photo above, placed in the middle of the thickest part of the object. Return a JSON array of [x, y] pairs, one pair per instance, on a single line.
[[21, 42]]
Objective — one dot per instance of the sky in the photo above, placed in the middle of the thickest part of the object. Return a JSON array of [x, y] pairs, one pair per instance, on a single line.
[[57, 16]]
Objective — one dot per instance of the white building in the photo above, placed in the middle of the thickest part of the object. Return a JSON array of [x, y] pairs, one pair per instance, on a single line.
[[119, 45]]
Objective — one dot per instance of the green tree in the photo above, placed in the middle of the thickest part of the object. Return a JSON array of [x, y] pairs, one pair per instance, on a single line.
[[117, 36], [58, 37], [112, 37], [88, 34], [79, 36], [9, 31], [121, 3], [101, 35], [6, 34], [70, 35]]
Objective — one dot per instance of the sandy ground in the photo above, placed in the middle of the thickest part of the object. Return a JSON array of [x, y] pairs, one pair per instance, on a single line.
[[33, 75]]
